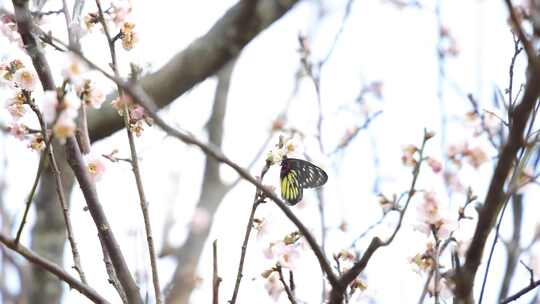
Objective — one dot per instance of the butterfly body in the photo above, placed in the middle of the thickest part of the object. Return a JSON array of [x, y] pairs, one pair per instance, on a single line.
[[297, 174]]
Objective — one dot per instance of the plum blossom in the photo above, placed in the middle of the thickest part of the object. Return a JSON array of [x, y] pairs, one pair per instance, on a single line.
[[25, 79], [386, 204], [17, 130], [64, 127], [278, 124], [475, 156], [287, 255], [120, 102], [261, 226], [37, 143], [273, 286], [129, 37], [434, 164], [408, 155], [17, 110], [120, 10], [74, 69], [136, 112], [90, 94], [52, 107], [432, 219], [8, 28], [16, 105], [96, 167], [286, 147]]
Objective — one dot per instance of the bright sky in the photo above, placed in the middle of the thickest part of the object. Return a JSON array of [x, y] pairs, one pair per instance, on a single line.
[[379, 42]]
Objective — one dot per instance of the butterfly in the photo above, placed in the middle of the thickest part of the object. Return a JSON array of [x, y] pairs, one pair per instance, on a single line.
[[297, 174]]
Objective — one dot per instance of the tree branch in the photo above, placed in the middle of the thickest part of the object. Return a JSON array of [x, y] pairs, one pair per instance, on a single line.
[[495, 196], [212, 193], [76, 162], [200, 60], [53, 269]]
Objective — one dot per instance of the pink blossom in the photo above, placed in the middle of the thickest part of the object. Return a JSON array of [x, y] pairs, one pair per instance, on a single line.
[[273, 286], [120, 102], [37, 143], [17, 130], [17, 110], [120, 11], [287, 255], [49, 104], [8, 28], [90, 93], [96, 167], [136, 112], [25, 79], [428, 210], [73, 69], [432, 219], [476, 156], [408, 155], [435, 165], [64, 127]]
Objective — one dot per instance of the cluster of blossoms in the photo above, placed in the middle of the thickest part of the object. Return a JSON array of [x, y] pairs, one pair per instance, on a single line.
[[432, 219], [475, 156], [425, 263], [284, 148], [286, 254], [22, 81], [345, 259], [8, 28], [488, 123], [137, 115], [60, 111], [59, 108], [116, 17]]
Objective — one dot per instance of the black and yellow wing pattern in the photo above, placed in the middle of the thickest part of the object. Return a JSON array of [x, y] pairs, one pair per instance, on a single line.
[[297, 174]]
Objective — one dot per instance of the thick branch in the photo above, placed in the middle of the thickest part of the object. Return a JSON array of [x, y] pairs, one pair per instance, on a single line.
[[200, 60], [495, 195], [76, 162]]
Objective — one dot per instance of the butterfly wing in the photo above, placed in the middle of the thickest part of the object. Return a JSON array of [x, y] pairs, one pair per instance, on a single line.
[[291, 190], [309, 175]]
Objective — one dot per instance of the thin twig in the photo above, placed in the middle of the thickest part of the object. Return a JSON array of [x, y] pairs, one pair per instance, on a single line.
[[426, 287], [216, 280], [336, 295], [523, 291], [59, 188], [134, 163], [516, 23], [357, 130], [288, 291], [54, 269], [113, 279], [256, 202], [31, 196]]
